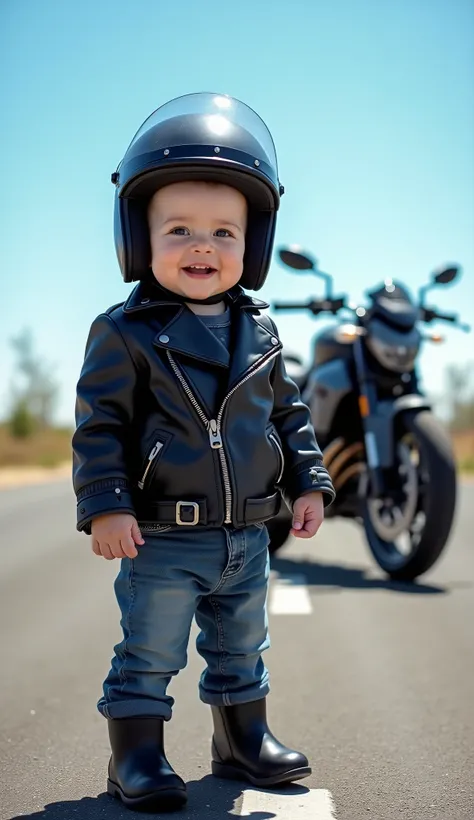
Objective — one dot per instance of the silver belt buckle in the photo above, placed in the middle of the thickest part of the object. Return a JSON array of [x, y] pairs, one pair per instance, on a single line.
[[195, 508]]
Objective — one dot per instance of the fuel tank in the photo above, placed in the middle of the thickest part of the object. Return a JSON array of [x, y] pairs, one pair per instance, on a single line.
[[326, 346]]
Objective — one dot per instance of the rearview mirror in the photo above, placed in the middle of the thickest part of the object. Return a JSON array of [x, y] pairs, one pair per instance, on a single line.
[[294, 258], [446, 275], [443, 276]]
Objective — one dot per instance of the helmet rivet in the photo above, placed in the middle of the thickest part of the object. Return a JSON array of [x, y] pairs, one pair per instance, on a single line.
[[144, 301], [257, 162], [217, 150], [166, 152]]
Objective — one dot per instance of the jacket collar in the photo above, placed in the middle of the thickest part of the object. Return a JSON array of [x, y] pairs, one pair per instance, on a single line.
[[147, 295], [184, 333], [177, 328]]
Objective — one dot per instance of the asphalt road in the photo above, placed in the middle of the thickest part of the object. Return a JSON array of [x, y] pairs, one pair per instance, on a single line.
[[374, 681]]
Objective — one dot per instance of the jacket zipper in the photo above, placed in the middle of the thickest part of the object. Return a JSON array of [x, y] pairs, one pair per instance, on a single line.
[[213, 426], [153, 454], [273, 438]]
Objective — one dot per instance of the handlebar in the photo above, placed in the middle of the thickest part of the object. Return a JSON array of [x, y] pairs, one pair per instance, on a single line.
[[331, 305], [337, 303], [430, 314], [291, 305], [447, 317]]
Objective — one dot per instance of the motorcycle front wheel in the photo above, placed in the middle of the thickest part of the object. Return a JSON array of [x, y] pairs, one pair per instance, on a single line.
[[408, 530]]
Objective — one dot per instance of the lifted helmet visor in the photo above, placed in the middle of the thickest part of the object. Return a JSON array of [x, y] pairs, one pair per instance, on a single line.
[[207, 136]]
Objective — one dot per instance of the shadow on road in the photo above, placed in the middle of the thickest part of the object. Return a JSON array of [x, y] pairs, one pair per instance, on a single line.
[[206, 797], [337, 576]]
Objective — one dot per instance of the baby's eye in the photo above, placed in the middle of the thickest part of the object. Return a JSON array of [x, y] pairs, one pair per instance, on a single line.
[[180, 231], [223, 232]]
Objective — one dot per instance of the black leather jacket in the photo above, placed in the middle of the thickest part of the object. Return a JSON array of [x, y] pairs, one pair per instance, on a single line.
[[155, 439]]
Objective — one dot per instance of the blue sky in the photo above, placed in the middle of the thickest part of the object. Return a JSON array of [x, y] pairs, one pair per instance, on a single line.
[[371, 104]]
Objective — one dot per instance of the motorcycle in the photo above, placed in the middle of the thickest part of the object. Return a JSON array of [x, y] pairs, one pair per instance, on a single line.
[[389, 457]]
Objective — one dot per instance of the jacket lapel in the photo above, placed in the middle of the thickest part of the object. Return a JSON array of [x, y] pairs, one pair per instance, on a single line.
[[187, 335], [252, 341]]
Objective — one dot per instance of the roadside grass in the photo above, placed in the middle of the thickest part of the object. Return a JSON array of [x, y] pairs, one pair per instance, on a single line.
[[464, 450], [46, 448], [52, 447]]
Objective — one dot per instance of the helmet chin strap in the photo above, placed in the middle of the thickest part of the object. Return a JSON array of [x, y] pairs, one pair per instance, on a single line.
[[178, 297], [211, 300]]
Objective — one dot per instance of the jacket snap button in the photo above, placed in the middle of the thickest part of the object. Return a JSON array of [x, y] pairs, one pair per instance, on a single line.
[[117, 490], [274, 340], [144, 301], [164, 339]]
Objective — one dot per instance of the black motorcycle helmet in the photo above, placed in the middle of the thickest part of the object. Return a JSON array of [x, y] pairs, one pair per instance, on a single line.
[[208, 137]]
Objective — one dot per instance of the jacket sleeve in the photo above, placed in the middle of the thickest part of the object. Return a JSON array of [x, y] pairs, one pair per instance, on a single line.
[[104, 409], [304, 471]]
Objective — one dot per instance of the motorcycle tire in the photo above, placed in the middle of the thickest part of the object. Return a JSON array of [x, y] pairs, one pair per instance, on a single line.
[[437, 501]]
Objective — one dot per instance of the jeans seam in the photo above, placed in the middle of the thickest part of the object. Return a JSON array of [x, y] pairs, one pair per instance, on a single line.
[[244, 549], [131, 602], [220, 636], [223, 577], [243, 542]]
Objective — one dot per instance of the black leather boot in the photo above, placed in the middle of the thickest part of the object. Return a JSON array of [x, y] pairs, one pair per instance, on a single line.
[[139, 773], [243, 747]]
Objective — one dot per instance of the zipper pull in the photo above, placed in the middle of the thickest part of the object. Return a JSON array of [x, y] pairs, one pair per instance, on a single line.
[[214, 435], [156, 449]]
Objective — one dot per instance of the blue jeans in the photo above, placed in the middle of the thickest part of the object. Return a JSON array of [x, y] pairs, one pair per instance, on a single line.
[[220, 576]]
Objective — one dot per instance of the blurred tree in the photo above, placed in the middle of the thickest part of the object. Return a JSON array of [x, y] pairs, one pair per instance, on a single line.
[[34, 401], [22, 424], [460, 390]]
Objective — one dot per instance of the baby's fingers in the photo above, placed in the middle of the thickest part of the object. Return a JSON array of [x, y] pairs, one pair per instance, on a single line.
[[303, 533], [311, 525], [116, 548], [128, 547], [106, 552], [102, 549], [310, 528]]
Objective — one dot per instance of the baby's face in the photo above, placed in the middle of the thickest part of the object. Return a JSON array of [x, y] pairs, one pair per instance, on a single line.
[[197, 237]]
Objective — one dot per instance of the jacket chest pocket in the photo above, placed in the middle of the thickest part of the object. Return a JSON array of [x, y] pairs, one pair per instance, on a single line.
[[279, 453], [155, 452]]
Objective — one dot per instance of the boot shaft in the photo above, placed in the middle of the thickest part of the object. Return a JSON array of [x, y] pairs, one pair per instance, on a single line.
[[244, 747], [129, 735]]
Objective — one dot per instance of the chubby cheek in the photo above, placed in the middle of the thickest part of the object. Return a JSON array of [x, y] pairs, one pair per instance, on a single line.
[[164, 257], [234, 260]]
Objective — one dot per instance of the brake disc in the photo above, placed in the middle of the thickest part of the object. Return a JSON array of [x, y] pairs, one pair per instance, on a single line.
[[390, 520]]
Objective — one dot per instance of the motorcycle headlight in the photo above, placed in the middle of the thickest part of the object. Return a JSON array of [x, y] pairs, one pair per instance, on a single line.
[[348, 333], [396, 357]]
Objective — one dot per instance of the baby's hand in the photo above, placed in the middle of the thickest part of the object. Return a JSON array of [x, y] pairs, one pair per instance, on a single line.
[[115, 536], [308, 515]]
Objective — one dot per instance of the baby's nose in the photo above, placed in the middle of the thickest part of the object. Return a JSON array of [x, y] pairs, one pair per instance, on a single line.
[[203, 244]]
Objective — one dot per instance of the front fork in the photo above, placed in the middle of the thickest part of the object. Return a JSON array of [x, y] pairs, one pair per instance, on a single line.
[[368, 402]]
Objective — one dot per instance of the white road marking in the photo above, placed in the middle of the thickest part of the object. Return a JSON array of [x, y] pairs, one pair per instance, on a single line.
[[314, 804], [289, 596]]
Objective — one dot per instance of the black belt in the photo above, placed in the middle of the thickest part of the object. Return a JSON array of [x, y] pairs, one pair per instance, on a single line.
[[182, 513], [191, 513]]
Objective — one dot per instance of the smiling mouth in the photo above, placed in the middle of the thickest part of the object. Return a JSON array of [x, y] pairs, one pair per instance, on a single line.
[[199, 270]]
